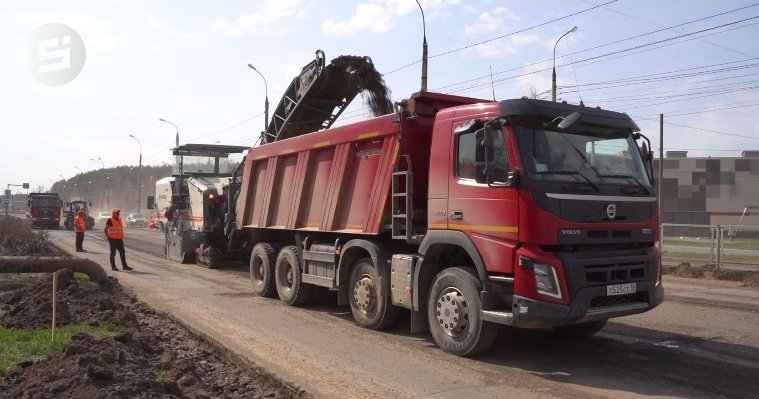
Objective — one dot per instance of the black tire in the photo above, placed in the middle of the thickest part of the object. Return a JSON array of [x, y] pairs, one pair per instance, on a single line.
[[455, 292], [262, 261], [370, 308], [289, 281], [582, 329], [187, 257]]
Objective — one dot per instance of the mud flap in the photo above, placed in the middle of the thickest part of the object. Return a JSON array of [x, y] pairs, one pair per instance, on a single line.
[[208, 256]]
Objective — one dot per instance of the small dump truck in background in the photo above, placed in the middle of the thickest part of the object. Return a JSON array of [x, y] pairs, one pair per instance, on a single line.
[[44, 210]]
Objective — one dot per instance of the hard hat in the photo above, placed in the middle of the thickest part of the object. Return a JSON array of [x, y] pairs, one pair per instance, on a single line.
[[116, 210]]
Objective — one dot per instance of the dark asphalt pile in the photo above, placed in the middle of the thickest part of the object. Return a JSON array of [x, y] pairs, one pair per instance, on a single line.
[[150, 355], [375, 94]]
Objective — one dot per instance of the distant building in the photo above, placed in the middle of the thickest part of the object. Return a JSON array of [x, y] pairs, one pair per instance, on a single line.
[[711, 190]]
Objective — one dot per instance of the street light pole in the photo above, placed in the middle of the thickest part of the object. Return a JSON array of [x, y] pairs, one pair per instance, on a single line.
[[553, 79], [81, 196], [175, 126], [424, 50], [139, 175], [102, 166], [266, 98]]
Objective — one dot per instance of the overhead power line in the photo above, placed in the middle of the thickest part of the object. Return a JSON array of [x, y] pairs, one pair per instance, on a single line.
[[672, 28], [696, 110], [699, 128], [502, 36], [503, 80], [487, 77]]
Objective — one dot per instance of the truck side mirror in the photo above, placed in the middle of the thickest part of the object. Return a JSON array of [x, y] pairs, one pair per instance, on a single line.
[[483, 160], [513, 178], [150, 202]]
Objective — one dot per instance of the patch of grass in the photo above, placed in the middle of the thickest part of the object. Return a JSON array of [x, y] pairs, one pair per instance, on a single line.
[[20, 344], [159, 373], [81, 276]]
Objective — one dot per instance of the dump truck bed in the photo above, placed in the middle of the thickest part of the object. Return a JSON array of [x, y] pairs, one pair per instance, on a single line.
[[339, 180]]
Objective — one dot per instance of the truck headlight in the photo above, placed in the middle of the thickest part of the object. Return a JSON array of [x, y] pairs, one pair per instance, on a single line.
[[546, 280], [658, 271]]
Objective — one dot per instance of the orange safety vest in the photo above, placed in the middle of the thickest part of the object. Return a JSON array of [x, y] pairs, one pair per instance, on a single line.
[[116, 231], [79, 225]]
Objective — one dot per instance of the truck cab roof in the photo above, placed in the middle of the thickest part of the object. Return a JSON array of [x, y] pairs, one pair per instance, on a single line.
[[208, 149], [210, 160]]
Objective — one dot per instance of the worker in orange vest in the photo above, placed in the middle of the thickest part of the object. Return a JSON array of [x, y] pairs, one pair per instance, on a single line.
[[114, 231], [80, 226]]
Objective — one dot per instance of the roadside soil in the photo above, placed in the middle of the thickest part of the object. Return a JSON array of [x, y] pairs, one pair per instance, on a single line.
[[150, 355], [685, 269]]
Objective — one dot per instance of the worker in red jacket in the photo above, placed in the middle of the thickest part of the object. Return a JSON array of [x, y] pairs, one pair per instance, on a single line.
[[80, 226]]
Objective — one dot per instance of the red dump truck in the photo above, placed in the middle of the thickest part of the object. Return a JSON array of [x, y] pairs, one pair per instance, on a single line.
[[44, 210], [469, 213]]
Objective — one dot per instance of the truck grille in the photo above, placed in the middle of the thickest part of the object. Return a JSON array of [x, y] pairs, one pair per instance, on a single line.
[[612, 301], [599, 269], [615, 272]]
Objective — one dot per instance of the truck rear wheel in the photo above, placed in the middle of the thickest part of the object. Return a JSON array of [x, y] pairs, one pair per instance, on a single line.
[[290, 286], [454, 313], [369, 307], [581, 329], [262, 261]]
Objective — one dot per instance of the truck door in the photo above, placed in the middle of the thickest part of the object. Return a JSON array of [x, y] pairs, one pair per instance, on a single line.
[[488, 214]]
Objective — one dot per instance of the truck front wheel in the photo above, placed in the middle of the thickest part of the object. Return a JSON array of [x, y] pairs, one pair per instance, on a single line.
[[453, 311], [290, 286], [370, 308], [262, 261]]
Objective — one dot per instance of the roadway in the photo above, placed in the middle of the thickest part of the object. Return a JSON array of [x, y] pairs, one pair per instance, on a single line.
[[701, 342]]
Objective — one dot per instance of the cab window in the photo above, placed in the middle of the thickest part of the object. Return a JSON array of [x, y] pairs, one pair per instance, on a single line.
[[465, 156], [466, 167]]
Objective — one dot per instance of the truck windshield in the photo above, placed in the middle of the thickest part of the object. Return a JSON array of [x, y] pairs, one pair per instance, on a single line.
[[200, 164], [45, 203], [591, 154]]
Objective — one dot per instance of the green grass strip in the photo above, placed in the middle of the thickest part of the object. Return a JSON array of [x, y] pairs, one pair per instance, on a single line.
[[20, 344]]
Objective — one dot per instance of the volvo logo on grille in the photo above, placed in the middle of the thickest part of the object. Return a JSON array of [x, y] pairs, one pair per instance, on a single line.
[[611, 211]]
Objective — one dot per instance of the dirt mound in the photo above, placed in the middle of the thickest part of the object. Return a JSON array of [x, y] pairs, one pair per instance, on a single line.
[[685, 269], [151, 355], [17, 238], [76, 302]]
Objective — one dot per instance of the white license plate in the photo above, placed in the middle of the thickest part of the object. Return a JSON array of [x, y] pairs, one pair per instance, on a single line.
[[620, 289]]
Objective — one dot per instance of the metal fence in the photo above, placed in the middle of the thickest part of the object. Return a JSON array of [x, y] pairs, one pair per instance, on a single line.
[[724, 246]]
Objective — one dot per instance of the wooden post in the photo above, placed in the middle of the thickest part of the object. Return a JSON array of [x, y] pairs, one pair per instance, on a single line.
[[719, 248], [55, 288], [713, 236]]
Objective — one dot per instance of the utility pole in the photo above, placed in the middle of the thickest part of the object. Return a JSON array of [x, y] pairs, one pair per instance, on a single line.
[[661, 178], [139, 176]]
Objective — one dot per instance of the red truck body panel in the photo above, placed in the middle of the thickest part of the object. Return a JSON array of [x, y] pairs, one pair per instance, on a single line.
[[338, 180]]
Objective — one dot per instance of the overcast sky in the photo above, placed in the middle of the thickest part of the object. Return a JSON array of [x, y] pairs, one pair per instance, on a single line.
[[693, 60]]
